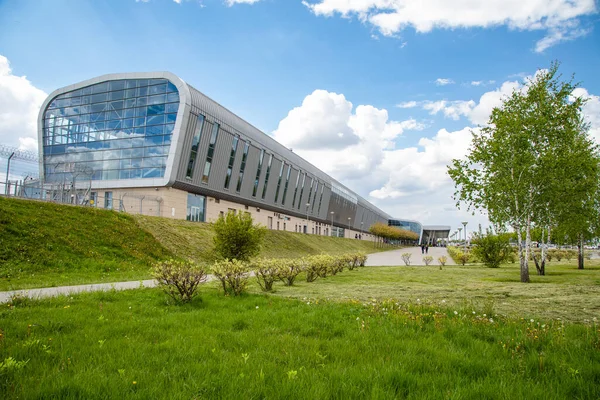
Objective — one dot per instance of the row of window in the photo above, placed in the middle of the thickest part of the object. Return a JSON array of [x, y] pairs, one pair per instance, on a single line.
[[93, 114], [141, 173], [314, 183]]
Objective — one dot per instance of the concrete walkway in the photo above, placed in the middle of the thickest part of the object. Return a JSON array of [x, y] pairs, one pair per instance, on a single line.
[[386, 258], [394, 257]]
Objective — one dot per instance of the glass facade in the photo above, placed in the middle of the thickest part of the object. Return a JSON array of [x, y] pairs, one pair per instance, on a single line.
[[119, 129], [195, 144], [408, 225], [196, 208], [211, 153], [234, 144]]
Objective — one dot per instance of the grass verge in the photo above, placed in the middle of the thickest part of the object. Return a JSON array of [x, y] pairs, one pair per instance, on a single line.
[[134, 345]]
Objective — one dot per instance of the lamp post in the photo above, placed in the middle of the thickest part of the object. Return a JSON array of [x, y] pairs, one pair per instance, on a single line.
[[459, 234], [349, 218], [331, 222], [361, 227], [465, 225], [307, 220]]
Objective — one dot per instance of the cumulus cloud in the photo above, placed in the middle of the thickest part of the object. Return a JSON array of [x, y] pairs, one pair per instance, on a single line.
[[558, 18], [591, 111], [348, 143], [20, 103]]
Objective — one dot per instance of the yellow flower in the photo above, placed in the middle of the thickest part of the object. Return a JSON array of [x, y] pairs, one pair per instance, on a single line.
[[134, 382]]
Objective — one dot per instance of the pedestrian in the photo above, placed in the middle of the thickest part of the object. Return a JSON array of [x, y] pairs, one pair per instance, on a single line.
[[427, 248], [422, 249]]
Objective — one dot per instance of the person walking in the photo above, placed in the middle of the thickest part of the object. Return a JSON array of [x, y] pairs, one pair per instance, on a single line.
[[427, 248], [422, 249]]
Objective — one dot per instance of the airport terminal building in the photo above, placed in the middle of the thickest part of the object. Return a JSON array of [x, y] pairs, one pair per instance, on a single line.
[[151, 143]]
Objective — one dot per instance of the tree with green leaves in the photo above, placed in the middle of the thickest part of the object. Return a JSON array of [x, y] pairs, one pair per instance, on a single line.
[[524, 168], [236, 236]]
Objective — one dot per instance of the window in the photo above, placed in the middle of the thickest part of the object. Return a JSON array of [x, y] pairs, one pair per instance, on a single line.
[[196, 207], [314, 200], [279, 181], [321, 199], [195, 144], [242, 167], [98, 120], [287, 181], [108, 200], [211, 152], [260, 162], [94, 199], [264, 191], [231, 161]]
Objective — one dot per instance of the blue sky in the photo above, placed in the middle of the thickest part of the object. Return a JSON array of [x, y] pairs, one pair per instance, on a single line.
[[265, 59]]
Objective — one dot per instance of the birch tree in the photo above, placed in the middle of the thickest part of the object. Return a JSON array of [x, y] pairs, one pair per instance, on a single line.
[[518, 165]]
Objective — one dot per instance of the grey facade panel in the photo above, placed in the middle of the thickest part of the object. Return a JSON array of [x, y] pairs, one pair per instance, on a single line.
[[220, 159], [250, 172], [186, 147], [272, 184], [290, 191]]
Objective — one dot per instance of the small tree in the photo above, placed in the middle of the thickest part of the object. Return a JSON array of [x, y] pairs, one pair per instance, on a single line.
[[406, 258], [236, 237], [427, 260], [492, 249]]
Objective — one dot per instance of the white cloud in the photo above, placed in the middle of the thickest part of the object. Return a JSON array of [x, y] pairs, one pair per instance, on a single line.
[[451, 109], [20, 104], [407, 104], [477, 83], [559, 18], [591, 111], [443, 81], [232, 2]]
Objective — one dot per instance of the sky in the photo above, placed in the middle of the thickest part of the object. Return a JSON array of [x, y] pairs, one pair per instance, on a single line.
[[380, 94]]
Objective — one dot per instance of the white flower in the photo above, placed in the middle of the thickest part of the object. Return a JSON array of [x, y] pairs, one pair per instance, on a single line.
[[492, 320], [257, 307], [531, 320], [473, 312], [443, 301], [358, 318], [455, 312], [485, 315]]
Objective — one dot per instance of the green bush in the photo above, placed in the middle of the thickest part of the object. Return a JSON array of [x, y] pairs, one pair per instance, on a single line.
[[236, 237], [266, 272], [317, 266], [289, 269], [361, 259], [179, 279], [233, 275], [491, 249]]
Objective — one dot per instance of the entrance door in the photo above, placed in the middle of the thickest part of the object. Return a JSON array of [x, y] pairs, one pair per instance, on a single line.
[[195, 214]]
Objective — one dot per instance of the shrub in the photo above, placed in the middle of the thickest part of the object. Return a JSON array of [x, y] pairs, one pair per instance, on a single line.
[[443, 260], [289, 269], [559, 255], [266, 272], [233, 275], [179, 279], [336, 265], [427, 260], [317, 266], [491, 249], [236, 237], [362, 259], [354, 261], [406, 258]]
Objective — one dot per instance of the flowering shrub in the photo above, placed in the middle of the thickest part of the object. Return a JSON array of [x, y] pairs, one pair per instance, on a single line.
[[289, 269], [317, 266], [266, 272], [443, 260], [233, 275], [179, 279], [427, 260]]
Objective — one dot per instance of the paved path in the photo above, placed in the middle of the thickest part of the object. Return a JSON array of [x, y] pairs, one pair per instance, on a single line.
[[387, 258], [394, 257]]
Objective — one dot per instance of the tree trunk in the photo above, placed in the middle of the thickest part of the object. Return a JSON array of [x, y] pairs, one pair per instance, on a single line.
[[522, 257], [580, 255], [525, 265]]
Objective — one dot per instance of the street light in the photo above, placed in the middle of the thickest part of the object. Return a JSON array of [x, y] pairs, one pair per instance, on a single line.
[[465, 225], [459, 234], [349, 218], [361, 227], [307, 205], [331, 222]]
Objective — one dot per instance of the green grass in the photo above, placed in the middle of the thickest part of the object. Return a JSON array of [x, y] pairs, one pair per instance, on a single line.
[[135, 345], [565, 292], [46, 244], [194, 240]]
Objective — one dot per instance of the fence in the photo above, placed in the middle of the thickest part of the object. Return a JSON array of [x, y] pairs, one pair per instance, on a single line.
[[80, 193]]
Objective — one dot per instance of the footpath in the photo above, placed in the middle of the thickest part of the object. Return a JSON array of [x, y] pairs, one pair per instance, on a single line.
[[386, 258]]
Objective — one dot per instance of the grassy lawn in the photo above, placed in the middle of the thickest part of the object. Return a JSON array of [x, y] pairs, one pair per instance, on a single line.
[[565, 292]]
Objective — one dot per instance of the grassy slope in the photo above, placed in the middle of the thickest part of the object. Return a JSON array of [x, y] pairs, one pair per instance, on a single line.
[[133, 345], [45, 244], [194, 240]]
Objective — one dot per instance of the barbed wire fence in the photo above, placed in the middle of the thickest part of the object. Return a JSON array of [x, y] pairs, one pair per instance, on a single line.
[[71, 184]]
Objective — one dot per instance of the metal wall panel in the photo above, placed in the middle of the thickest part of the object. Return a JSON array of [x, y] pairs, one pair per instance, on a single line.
[[290, 192], [218, 168], [272, 184], [250, 172], [187, 146], [235, 171]]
